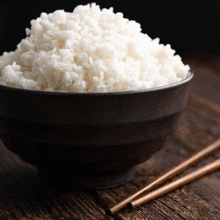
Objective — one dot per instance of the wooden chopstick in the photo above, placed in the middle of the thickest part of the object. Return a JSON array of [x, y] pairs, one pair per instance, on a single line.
[[166, 176], [176, 184]]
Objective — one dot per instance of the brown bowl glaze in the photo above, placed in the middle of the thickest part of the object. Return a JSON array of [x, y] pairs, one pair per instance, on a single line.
[[91, 140]]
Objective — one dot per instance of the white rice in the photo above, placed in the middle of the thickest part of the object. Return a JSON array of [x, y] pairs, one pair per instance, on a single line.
[[89, 50]]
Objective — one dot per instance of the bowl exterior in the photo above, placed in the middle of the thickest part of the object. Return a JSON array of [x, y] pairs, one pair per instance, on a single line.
[[93, 139]]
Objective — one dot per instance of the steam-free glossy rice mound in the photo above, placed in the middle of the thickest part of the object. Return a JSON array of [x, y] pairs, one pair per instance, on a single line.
[[89, 50]]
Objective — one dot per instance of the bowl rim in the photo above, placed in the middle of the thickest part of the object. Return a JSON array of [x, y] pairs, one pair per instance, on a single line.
[[52, 93]]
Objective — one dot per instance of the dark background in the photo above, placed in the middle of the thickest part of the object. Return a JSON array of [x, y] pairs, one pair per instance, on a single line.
[[186, 25]]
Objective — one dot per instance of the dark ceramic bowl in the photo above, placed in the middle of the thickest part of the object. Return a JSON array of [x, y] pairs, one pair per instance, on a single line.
[[91, 140]]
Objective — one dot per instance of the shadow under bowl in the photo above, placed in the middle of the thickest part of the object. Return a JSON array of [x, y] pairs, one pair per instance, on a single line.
[[89, 140]]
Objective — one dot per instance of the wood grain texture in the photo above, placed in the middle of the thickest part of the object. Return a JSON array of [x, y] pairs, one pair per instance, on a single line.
[[23, 196]]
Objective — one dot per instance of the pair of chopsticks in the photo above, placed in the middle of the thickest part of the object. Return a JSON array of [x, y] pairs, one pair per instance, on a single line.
[[140, 197]]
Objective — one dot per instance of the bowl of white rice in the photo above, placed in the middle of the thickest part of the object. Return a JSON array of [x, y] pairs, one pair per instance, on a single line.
[[86, 96]]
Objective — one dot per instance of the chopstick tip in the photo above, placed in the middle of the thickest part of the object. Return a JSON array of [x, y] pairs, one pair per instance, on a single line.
[[112, 211], [130, 205]]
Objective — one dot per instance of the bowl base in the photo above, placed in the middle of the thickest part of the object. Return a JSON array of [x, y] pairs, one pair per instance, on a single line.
[[84, 180]]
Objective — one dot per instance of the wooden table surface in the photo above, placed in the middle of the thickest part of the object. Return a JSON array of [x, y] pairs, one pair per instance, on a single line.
[[22, 196]]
